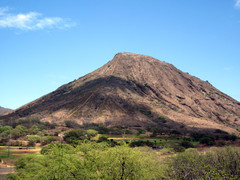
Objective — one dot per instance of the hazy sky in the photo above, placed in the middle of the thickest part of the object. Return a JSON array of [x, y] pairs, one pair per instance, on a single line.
[[45, 44]]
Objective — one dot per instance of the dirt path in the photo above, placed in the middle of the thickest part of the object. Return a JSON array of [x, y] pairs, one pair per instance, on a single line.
[[6, 170]]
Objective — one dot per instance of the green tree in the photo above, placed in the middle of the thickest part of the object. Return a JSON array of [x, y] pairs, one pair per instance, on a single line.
[[217, 163], [18, 131], [33, 130], [73, 136], [91, 133], [90, 161], [5, 128]]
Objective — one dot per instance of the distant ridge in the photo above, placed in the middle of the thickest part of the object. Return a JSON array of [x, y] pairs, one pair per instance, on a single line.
[[4, 110], [133, 91]]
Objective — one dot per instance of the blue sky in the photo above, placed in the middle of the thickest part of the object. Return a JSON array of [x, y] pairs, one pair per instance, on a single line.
[[45, 44]]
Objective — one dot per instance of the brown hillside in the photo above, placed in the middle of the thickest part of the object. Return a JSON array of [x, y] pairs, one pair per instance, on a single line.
[[4, 110], [135, 90]]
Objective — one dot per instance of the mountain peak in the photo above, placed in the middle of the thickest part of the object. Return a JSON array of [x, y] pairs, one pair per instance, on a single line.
[[134, 90]]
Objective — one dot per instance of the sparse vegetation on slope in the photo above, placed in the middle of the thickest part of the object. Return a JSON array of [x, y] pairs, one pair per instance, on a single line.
[[136, 91]]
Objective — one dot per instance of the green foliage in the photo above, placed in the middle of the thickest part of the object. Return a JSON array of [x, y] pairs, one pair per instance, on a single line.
[[127, 131], [207, 140], [29, 122], [178, 148], [227, 137], [71, 124], [147, 113], [102, 138], [33, 130], [140, 131], [73, 136], [33, 139], [175, 132], [186, 144], [18, 131], [215, 164], [47, 139], [103, 130], [161, 119], [5, 128], [4, 132], [203, 138], [115, 131], [91, 133], [154, 133], [141, 143], [90, 161], [121, 162], [22, 162], [49, 149]]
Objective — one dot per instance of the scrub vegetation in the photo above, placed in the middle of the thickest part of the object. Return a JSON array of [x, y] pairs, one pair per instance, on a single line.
[[94, 151]]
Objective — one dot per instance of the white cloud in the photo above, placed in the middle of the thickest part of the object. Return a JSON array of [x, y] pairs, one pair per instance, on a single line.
[[237, 4], [31, 21]]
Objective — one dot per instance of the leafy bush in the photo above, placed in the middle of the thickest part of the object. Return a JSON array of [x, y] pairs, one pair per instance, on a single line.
[[127, 131], [73, 136], [161, 119], [175, 132], [33, 139], [115, 132], [47, 139], [5, 128], [29, 122], [203, 138], [141, 143], [147, 113], [91, 133], [227, 137], [18, 131], [33, 130], [90, 161], [102, 138], [103, 130], [216, 164], [186, 144], [207, 140], [140, 131], [49, 149], [178, 148], [71, 124]]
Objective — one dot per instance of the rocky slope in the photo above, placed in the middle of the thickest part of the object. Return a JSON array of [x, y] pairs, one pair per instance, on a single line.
[[137, 91]]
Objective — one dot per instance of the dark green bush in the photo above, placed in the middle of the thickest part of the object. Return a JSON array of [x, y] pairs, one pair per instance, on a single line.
[[178, 148], [102, 138], [207, 140], [140, 131], [186, 144], [103, 130], [175, 132], [73, 136], [203, 138], [147, 113], [141, 143], [47, 139], [71, 124]]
